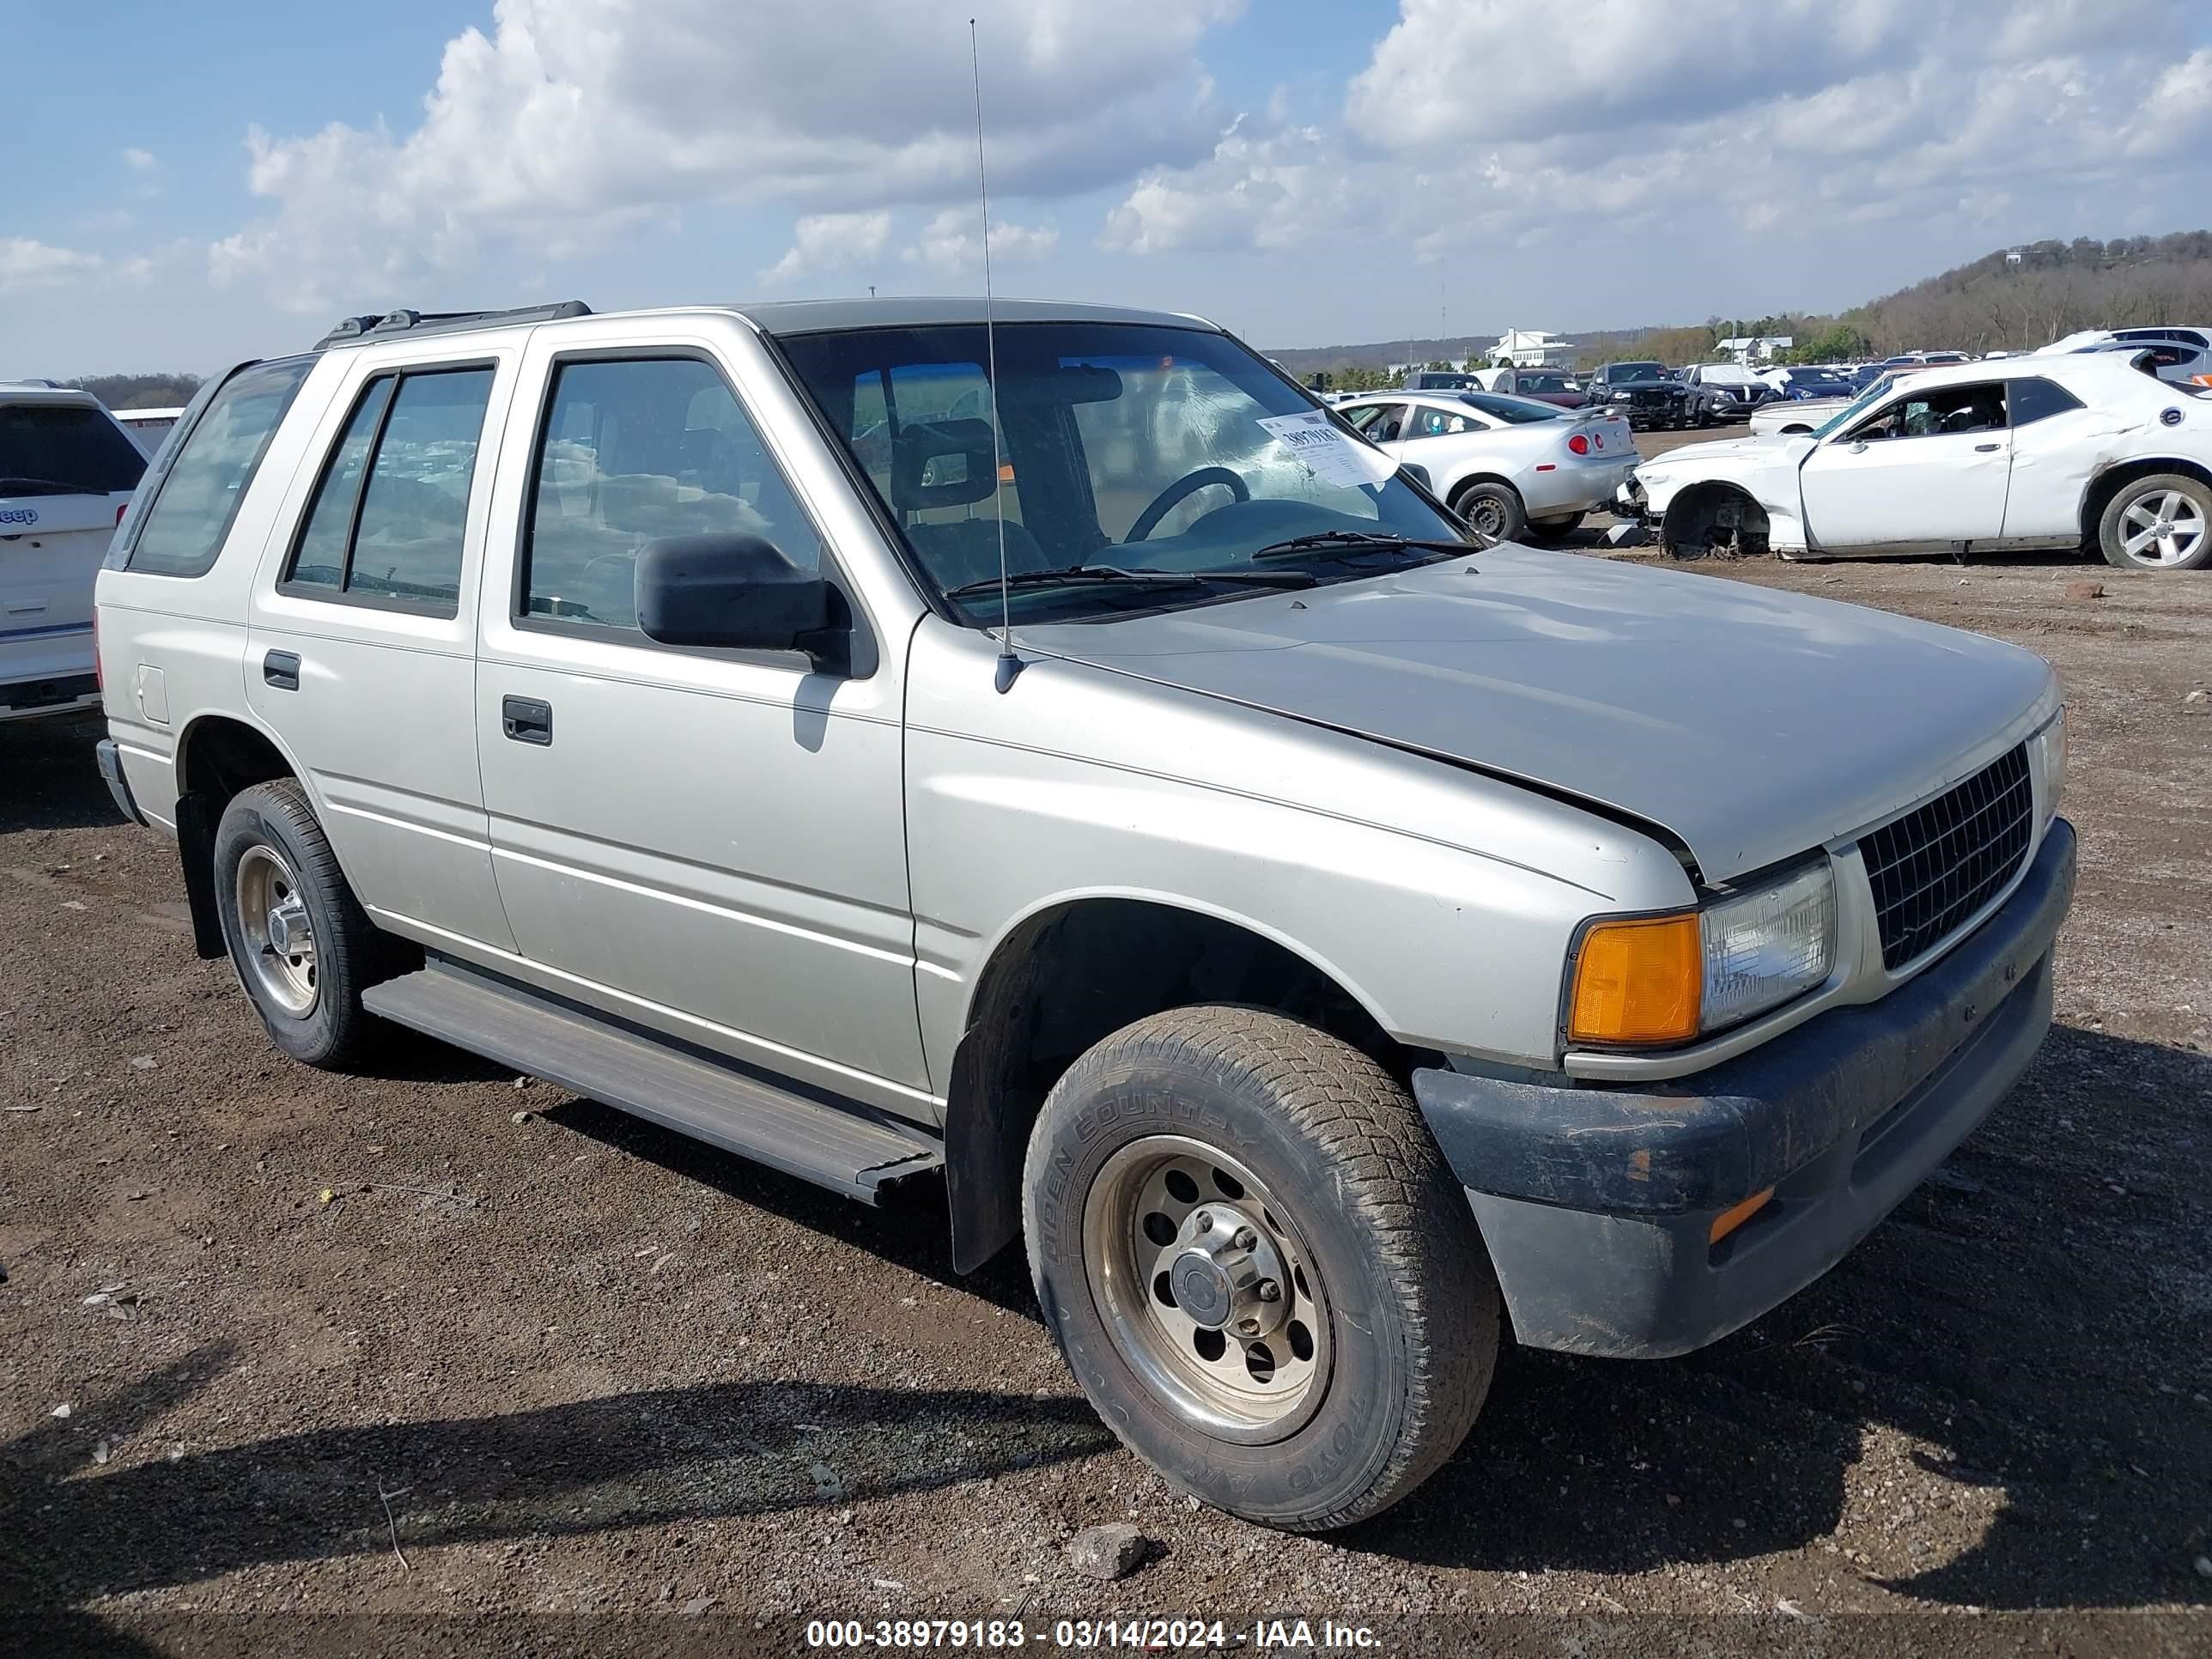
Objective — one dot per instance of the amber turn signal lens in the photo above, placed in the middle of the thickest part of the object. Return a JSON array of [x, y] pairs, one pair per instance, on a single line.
[[1637, 982], [1737, 1214]]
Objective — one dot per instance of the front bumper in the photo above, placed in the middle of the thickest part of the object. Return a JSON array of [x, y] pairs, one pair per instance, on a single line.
[[1597, 1203]]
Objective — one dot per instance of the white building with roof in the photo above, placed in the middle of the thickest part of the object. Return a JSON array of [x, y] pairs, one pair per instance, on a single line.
[[1532, 347]]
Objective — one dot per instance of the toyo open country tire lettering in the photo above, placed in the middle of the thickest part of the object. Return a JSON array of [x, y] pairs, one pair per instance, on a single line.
[[303, 948], [1192, 1162], [2163, 522]]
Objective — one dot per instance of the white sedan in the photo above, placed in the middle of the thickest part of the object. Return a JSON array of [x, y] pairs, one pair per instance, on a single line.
[[2027, 453], [1510, 466]]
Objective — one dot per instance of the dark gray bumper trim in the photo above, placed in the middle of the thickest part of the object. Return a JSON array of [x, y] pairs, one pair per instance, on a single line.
[[110, 760], [1706, 1140]]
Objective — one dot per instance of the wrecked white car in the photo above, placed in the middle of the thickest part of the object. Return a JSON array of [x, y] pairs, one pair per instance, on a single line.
[[2024, 454]]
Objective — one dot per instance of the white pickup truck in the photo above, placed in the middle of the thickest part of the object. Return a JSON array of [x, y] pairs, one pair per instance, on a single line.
[[66, 473]]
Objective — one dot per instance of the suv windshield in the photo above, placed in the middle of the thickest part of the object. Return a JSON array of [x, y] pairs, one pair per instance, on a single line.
[[1122, 448], [1619, 372], [64, 449]]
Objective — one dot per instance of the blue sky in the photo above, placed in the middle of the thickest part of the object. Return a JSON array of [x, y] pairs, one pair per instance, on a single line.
[[191, 185]]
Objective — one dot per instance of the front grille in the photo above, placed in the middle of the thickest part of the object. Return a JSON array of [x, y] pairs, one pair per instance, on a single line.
[[1940, 863]]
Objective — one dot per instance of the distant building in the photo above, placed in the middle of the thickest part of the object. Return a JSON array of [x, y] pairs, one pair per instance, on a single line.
[[1531, 348], [1758, 348]]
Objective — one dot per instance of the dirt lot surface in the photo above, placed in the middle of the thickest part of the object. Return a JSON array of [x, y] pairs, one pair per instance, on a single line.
[[377, 1349]]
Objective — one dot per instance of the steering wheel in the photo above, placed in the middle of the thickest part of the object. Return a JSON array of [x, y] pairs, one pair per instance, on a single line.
[[1176, 492]]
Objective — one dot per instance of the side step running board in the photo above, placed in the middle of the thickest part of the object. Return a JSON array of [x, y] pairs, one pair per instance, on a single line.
[[848, 1150]]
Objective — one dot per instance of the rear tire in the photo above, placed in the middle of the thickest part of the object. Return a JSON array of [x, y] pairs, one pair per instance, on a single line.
[[302, 946], [2129, 532], [1493, 510], [1307, 1409]]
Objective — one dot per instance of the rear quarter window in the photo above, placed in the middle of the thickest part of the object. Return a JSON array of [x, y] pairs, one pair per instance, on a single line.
[[65, 449], [198, 497]]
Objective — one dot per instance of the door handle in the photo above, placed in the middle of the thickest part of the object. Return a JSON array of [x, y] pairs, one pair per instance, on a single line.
[[281, 670], [527, 719], [1987, 449]]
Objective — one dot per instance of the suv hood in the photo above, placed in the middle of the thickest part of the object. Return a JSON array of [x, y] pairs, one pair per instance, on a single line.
[[1752, 725]]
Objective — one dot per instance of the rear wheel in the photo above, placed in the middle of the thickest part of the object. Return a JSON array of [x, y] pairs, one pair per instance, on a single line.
[[303, 948], [1251, 1253], [2163, 522], [1493, 510]]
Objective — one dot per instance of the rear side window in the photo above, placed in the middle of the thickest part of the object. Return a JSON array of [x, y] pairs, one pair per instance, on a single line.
[[182, 533], [64, 449], [2035, 398], [389, 512]]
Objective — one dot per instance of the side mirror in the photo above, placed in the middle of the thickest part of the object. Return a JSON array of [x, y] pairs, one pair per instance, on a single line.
[[735, 591]]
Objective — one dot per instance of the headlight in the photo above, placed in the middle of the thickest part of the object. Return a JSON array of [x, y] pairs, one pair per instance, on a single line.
[[2050, 746], [1671, 979]]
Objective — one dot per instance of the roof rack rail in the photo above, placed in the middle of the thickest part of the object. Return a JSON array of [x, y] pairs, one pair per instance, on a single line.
[[349, 331]]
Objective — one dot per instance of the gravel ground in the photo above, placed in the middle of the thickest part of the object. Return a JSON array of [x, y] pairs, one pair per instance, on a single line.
[[389, 1349]]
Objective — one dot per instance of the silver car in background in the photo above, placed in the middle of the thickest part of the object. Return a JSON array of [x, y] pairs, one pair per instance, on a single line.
[[1512, 467]]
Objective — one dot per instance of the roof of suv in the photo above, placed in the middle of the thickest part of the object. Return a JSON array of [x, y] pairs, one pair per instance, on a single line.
[[776, 317]]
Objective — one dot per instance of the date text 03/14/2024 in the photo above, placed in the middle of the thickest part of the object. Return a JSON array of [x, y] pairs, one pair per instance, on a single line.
[[1085, 1634]]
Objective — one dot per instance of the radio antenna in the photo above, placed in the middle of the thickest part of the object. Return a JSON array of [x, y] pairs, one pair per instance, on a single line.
[[1009, 663]]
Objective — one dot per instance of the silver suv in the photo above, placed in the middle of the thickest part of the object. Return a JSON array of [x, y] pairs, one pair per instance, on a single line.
[[1322, 937]]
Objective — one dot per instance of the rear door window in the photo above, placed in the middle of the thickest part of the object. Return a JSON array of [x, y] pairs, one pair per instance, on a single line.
[[197, 498], [389, 512], [64, 449]]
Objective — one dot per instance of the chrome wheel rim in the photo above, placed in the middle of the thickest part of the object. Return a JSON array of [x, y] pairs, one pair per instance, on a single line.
[[1207, 1288], [280, 937], [2162, 529]]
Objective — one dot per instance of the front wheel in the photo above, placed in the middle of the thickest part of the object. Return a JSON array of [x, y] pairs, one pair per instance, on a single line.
[[1492, 510], [1251, 1251], [2163, 522]]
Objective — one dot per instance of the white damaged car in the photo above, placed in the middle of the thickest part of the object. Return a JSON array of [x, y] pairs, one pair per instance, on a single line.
[[2023, 453]]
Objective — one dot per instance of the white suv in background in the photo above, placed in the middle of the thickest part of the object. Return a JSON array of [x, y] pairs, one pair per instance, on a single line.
[[66, 473]]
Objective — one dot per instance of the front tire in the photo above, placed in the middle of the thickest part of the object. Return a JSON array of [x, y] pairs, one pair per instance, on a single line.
[[303, 947], [2163, 522], [1492, 510], [1191, 1162]]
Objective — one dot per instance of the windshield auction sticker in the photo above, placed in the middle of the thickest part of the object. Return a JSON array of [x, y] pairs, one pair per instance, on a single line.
[[1327, 452]]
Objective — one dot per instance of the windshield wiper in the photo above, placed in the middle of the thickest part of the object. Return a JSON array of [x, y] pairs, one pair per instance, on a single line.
[[1114, 572], [1357, 541]]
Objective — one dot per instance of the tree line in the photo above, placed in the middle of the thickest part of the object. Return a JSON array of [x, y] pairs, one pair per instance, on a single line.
[[140, 390], [2013, 299]]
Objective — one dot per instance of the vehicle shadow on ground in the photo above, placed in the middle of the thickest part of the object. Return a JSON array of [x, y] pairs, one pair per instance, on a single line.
[[48, 777], [75, 1531], [913, 1229], [1968, 1321]]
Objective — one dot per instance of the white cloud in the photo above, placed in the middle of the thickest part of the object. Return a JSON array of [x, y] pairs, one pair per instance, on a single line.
[[26, 266], [830, 241], [573, 118], [1478, 127], [950, 242], [138, 161]]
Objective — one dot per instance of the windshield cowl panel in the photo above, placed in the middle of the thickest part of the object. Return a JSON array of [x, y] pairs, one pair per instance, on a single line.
[[1170, 452]]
